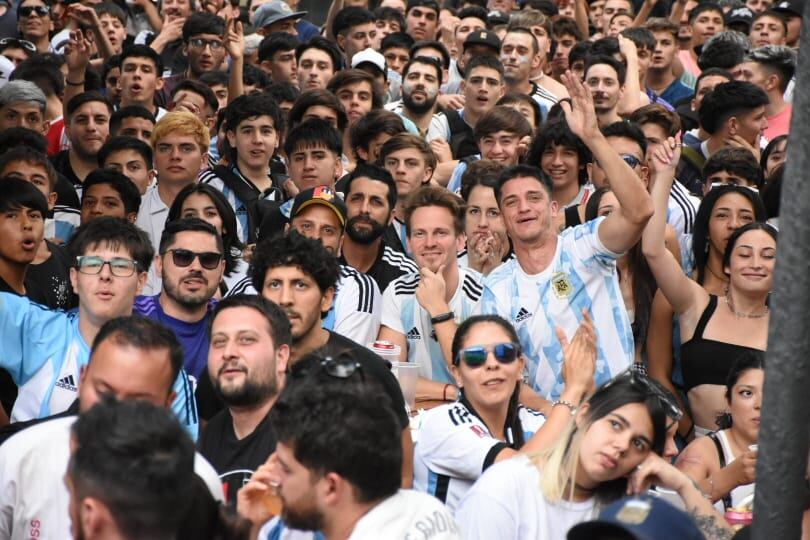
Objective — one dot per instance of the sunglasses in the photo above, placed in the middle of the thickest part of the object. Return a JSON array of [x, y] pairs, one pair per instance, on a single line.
[[119, 266], [27, 11], [474, 357], [340, 367], [721, 184], [630, 159], [184, 257], [5, 43], [638, 377]]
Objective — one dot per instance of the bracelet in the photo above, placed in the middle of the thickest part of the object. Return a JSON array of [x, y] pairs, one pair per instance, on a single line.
[[571, 406], [444, 391], [442, 318], [80, 83]]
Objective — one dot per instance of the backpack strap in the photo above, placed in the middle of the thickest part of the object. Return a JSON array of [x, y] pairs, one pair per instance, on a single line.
[[722, 455], [246, 193], [693, 156], [462, 140]]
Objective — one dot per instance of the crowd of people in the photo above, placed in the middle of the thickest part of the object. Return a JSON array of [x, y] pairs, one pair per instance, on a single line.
[[228, 233]]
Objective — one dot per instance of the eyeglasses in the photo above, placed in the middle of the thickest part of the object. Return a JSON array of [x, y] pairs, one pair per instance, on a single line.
[[26, 11], [474, 357], [18, 43], [184, 257], [199, 43], [638, 377], [119, 266]]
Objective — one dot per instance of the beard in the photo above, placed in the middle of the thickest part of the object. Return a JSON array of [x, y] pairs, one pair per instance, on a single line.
[[250, 393], [418, 108], [190, 300], [364, 236], [305, 519]]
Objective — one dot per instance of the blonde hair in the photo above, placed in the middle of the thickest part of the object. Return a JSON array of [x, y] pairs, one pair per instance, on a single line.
[[559, 463], [183, 123]]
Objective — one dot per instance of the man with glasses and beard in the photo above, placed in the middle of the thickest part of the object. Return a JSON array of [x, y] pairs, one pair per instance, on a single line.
[[371, 196], [247, 360], [191, 264]]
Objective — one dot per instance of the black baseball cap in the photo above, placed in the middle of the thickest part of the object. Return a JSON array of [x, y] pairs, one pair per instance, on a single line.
[[483, 37], [792, 8], [324, 195]]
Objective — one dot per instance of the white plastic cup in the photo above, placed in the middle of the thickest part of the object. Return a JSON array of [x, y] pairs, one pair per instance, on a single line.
[[407, 374]]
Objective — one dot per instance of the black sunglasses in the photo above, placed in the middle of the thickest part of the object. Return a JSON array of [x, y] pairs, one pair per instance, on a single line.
[[26, 11], [638, 377], [630, 159], [184, 257], [5, 43], [474, 357], [340, 367]]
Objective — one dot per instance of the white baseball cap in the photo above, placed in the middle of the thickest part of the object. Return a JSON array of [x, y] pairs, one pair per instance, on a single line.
[[371, 56]]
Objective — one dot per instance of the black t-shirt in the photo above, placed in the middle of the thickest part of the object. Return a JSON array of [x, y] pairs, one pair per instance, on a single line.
[[48, 283], [389, 265], [61, 162], [373, 366], [233, 459]]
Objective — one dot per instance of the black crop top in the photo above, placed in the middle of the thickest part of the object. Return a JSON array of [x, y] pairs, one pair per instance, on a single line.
[[706, 361]]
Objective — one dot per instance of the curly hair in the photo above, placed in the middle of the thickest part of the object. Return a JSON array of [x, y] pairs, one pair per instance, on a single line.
[[295, 250]]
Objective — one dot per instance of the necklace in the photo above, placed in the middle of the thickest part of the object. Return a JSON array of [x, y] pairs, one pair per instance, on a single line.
[[744, 315]]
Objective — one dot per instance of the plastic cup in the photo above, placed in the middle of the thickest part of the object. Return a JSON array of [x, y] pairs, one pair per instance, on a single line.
[[407, 374], [272, 502]]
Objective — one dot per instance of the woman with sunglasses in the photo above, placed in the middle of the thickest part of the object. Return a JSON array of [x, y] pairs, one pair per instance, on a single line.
[[722, 211], [207, 203], [543, 495], [724, 463], [457, 442], [714, 329]]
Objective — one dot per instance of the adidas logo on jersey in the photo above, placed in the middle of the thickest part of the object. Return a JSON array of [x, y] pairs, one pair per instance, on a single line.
[[68, 383], [522, 315], [413, 333]]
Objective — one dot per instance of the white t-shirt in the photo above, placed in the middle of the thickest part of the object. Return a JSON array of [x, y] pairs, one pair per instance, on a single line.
[[355, 313], [405, 515], [402, 313], [455, 447], [582, 275], [152, 219], [33, 497], [506, 504]]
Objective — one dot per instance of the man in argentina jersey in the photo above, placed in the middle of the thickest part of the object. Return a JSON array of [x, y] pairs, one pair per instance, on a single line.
[[44, 350], [455, 447], [255, 124], [420, 311], [554, 278]]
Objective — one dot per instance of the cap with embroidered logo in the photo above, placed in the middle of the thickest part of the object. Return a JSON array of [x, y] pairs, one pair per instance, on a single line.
[[324, 195], [483, 37]]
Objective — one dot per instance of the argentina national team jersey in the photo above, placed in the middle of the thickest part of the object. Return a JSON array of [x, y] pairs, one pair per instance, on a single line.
[[44, 353], [582, 275], [454, 447], [402, 313], [355, 312]]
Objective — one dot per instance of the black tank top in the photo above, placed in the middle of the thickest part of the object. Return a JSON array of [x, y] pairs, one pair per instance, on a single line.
[[706, 361]]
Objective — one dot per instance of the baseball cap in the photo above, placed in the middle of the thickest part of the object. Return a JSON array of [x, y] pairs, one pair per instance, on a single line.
[[324, 195], [369, 56], [789, 7], [645, 518], [431, 4], [483, 37], [273, 12], [741, 16]]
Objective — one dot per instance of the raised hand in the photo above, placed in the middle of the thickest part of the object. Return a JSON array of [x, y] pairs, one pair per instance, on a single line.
[[579, 112], [665, 156], [579, 356], [77, 52], [234, 38]]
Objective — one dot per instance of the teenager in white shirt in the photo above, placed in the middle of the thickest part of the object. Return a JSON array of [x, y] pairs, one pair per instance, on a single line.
[[543, 496], [461, 440]]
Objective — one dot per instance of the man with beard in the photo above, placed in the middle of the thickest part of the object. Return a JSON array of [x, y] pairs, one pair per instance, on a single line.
[[421, 79], [190, 262], [301, 276], [87, 123], [371, 196], [247, 360], [604, 77]]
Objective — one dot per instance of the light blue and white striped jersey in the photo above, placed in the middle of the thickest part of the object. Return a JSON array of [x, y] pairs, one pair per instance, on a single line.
[[44, 352], [454, 184], [402, 313], [582, 275], [64, 222], [355, 312], [210, 177]]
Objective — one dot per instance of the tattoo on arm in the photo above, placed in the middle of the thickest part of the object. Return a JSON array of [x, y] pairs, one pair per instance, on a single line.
[[709, 527]]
